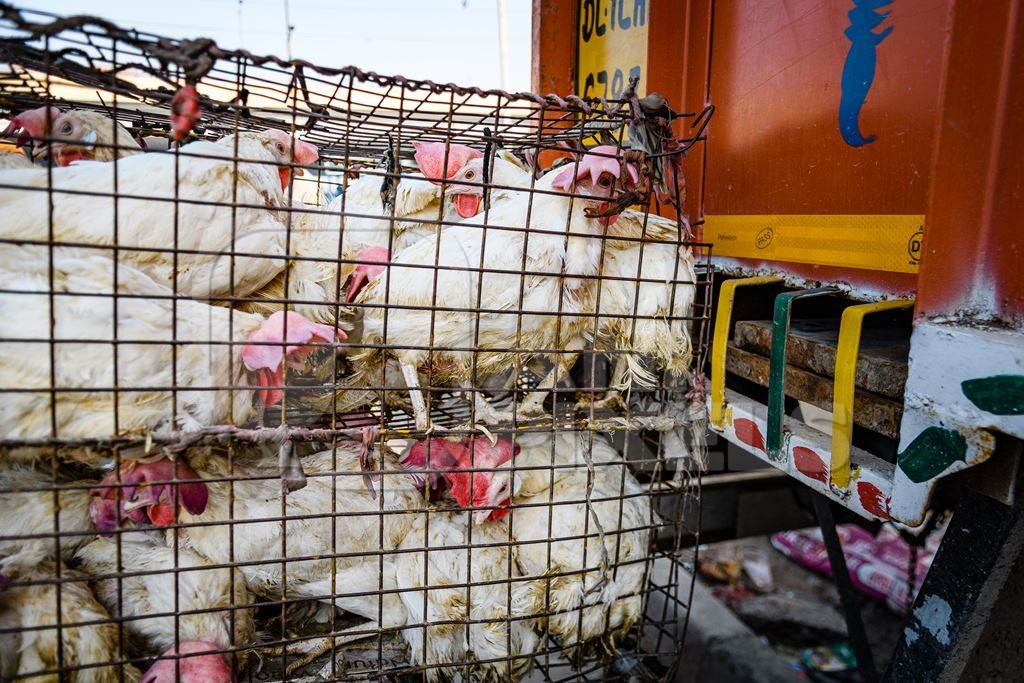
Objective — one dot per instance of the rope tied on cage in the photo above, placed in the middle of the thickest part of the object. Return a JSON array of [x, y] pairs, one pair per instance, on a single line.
[[650, 131], [490, 149], [293, 477], [368, 436]]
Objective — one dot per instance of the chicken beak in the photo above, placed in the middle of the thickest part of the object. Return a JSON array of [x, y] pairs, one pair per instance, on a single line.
[[481, 516]]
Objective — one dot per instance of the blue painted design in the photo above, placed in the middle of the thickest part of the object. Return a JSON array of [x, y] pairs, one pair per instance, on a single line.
[[859, 69]]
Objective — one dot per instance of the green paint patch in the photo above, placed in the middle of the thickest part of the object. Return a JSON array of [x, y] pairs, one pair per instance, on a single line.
[[999, 394], [931, 452]]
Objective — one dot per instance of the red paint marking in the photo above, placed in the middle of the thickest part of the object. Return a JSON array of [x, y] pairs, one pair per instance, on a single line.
[[748, 432], [810, 463], [872, 500]]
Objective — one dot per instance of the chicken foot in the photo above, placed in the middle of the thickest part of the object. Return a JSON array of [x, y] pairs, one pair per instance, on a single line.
[[311, 650], [533, 404], [391, 611], [483, 410], [297, 652]]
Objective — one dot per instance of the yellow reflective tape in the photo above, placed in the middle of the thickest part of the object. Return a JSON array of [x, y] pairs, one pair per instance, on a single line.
[[723, 320], [845, 378], [890, 242]]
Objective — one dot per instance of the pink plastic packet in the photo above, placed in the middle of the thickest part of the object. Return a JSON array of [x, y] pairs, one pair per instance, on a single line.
[[878, 565]]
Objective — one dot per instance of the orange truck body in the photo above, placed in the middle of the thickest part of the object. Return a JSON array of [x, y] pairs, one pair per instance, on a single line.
[[926, 185]]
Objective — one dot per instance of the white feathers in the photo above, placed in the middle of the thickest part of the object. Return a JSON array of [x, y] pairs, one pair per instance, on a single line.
[[466, 600], [29, 644], [165, 201], [520, 290], [84, 357], [597, 551], [356, 531], [151, 592], [645, 306]]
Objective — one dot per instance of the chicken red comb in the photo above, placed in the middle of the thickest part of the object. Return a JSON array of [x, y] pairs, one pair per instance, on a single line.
[[372, 262], [184, 111], [595, 166], [478, 451], [266, 357], [442, 456], [31, 124], [147, 491], [430, 159]]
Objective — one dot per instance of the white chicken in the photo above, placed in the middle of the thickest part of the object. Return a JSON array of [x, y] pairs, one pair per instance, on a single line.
[[29, 621], [602, 576], [83, 134], [356, 226], [463, 602], [193, 202], [334, 514], [29, 507], [517, 315], [76, 135], [42, 515], [645, 303], [160, 606], [652, 323], [587, 559], [210, 371]]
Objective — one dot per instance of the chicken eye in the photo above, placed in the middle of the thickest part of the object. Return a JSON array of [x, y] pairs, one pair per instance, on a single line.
[[470, 175], [605, 180], [66, 127], [280, 148]]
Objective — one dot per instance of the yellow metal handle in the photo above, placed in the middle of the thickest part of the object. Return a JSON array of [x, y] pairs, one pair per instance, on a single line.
[[723, 320], [845, 379]]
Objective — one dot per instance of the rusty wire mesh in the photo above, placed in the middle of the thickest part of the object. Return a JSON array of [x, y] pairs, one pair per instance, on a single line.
[[507, 529]]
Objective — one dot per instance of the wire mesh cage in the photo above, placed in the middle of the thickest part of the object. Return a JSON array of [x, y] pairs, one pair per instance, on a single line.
[[317, 373]]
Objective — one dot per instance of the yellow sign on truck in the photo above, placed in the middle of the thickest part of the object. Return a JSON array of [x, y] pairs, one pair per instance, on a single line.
[[611, 46]]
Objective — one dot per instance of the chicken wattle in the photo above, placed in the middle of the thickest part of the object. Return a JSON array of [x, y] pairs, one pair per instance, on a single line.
[[149, 493]]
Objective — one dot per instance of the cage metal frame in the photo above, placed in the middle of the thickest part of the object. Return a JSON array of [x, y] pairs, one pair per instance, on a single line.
[[47, 53]]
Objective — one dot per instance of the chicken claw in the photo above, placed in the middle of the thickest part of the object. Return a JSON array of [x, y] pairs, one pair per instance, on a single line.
[[612, 400], [303, 652], [487, 414]]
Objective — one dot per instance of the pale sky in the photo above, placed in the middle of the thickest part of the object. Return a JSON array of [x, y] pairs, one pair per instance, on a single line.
[[443, 40]]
